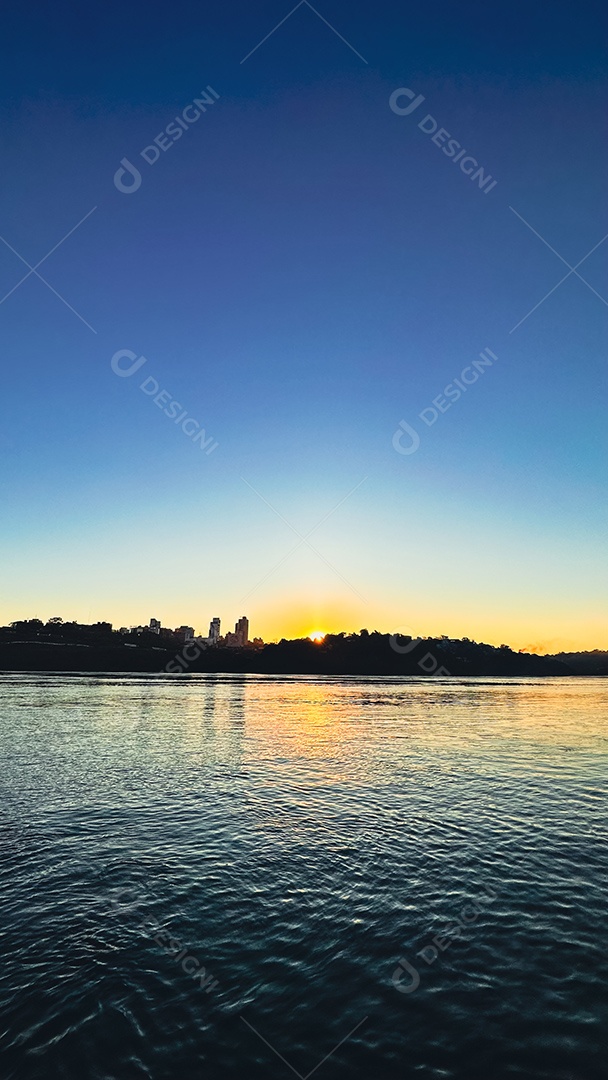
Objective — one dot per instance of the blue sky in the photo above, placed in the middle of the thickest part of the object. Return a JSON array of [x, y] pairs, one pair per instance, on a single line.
[[303, 269]]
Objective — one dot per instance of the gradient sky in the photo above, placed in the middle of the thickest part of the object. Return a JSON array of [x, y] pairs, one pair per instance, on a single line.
[[303, 270]]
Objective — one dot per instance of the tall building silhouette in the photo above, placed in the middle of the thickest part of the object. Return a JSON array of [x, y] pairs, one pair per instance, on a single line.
[[214, 631], [241, 630]]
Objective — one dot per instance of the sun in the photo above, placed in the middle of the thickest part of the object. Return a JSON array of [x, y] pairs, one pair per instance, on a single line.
[[317, 636]]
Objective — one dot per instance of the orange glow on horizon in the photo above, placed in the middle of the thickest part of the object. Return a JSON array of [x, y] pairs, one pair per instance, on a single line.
[[522, 622]]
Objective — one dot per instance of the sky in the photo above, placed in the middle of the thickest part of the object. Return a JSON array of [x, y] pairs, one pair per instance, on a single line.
[[302, 272]]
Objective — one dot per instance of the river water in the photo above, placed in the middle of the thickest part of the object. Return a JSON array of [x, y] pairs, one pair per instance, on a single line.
[[267, 877]]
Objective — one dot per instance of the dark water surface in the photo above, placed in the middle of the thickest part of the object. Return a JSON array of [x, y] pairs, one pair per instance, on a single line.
[[297, 837]]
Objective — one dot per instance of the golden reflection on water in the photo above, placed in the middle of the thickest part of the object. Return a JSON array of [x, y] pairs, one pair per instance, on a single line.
[[364, 728]]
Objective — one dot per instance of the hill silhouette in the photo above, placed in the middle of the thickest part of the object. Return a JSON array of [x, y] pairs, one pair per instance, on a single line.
[[594, 662], [33, 646]]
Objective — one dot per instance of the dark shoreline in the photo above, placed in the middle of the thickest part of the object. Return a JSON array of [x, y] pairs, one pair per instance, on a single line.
[[272, 660], [97, 649], [90, 673]]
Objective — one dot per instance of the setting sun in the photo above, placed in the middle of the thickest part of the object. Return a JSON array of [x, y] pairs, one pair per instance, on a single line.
[[317, 635]]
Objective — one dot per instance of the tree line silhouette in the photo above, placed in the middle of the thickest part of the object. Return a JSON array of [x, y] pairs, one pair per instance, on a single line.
[[31, 645]]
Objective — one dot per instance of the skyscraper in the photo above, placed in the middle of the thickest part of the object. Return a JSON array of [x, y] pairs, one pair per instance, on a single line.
[[214, 631], [242, 630]]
